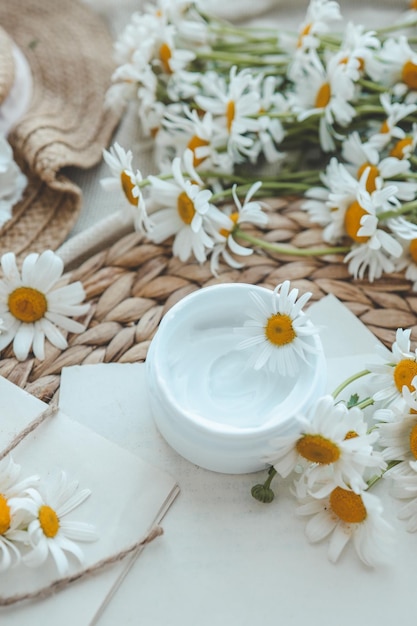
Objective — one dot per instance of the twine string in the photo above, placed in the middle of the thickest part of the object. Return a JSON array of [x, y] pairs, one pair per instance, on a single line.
[[51, 410], [61, 583]]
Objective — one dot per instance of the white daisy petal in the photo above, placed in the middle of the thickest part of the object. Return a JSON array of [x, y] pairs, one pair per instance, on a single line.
[[31, 308]]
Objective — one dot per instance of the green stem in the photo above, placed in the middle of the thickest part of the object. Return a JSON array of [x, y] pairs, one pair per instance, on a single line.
[[348, 381], [366, 402], [240, 59], [408, 207], [283, 249], [372, 481]]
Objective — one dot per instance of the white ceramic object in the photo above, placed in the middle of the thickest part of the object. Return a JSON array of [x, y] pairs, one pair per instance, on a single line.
[[210, 407]]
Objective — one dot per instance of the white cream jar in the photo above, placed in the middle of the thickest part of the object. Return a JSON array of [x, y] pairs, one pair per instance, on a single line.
[[210, 407]]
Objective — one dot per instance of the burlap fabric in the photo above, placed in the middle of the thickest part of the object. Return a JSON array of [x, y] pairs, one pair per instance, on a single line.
[[6, 64], [69, 50]]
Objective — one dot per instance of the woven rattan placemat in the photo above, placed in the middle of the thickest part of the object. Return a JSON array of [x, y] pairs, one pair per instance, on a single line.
[[132, 283]]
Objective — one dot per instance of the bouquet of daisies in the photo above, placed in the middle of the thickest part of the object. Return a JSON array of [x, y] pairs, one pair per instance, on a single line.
[[328, 112]]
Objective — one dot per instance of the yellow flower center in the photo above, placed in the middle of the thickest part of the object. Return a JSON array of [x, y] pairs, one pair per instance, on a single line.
[[404, 373], [353, 216], [5, 517], [128, 187], [27, 304], [234, 217], [409, 74], [279, 329], [348, 506], [185, 207], [413, 441], [230, 114], [413, 249], [318, 449], [359, 59], [165, 55], [197, 142], [351, 434], [384, 127], [398, 149], [302, 34], [413, 5], [48, 520], [323, 96], [372, 176]]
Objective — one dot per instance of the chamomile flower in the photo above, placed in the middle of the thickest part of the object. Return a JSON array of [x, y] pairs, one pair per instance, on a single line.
[[224, 225], [397, 66], [345, 515], [360, 44], [334, 443], [408, 260], [198, 134], [12, 181], [49, 532], [124, 179], [398, 370], [321, 16], [233, 103], [33, 305], [278, 334], [395, 113], [398, 437], [14, 502], [405, 488], [326, 90], [373, 245], [181, 204]]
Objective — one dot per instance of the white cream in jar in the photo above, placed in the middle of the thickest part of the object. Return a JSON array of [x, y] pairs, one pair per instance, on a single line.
[[209, 406]]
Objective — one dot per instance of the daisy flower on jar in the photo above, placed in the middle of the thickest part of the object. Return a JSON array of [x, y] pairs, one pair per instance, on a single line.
[[326, 91], [344, 515], [224, 226], [33, 304], [124, 179], [334, 443], [398, 370], [50, 534], [181, 207], [278, 334], [233, 103], [14, 515]]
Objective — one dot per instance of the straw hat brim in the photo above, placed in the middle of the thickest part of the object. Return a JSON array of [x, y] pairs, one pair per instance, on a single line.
[[69, 50]]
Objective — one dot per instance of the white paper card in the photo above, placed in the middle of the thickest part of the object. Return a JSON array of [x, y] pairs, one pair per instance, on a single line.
[[128, 496]]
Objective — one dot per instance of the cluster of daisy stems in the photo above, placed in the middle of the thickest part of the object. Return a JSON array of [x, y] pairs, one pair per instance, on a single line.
[[240, 114], [343, 444]]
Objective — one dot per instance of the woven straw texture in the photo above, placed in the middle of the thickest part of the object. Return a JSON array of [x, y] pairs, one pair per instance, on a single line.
[[66, 124], [132, 283], [6, 64]]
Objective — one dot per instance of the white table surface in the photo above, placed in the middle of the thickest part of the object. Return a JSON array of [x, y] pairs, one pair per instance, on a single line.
[[224, 558]]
